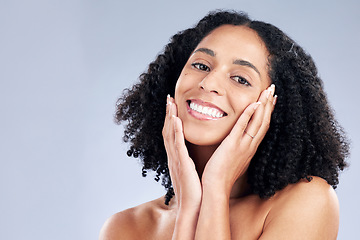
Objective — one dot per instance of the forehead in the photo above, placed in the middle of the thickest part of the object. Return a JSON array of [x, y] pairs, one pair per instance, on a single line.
[[233, 32], [236, 40]]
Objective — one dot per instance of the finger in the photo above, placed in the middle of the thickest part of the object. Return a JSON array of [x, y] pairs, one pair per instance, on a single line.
[[166, 120], [257, 119], [267, 96], [255, 123], [179, 139], [173, 160], [259, 123], [166, 132], [168, 136], [270, 98], [179, 149], [170, 143], [173, 110], [269, 108], [170, 110], [243, 120]]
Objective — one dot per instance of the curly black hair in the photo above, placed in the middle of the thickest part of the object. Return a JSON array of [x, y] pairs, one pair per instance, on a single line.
[[303, 140]]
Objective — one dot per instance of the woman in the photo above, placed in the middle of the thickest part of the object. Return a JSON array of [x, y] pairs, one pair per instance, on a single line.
[[244, 163]]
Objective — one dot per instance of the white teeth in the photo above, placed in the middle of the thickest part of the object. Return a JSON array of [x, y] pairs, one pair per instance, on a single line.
[[211, 112], [206, 110]]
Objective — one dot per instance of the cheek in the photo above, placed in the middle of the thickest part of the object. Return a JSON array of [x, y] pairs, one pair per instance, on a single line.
[[183, 84], [242, 100], [178, 88]]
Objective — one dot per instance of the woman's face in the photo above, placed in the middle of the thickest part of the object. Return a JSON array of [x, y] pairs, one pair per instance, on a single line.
[[226, 72]]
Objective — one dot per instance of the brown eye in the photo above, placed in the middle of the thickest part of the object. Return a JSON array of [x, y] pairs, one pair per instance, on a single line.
[[201, 67], [241, 80]]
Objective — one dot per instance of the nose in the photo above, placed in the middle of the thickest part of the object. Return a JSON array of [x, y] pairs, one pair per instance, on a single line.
[[212, 83]]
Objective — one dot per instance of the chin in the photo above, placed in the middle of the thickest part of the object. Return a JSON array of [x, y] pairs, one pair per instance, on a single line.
[[203, 139]]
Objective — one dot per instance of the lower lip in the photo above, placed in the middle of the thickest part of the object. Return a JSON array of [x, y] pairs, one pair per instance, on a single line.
[[200, 116]]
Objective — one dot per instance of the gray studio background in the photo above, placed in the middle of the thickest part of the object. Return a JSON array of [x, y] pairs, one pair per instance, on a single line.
[[63, 63]]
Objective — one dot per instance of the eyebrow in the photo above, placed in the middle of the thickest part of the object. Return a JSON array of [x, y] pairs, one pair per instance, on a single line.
[[246, 63], [206, 50], [237, 61]]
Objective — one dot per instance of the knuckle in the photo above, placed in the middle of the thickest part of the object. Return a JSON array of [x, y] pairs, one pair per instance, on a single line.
[[177, 144], [249, 112], [258, 124], [242, 125], [166, 137], [266, 123]]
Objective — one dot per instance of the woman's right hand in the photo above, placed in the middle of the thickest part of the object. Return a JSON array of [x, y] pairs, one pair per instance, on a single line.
[[184, 177]]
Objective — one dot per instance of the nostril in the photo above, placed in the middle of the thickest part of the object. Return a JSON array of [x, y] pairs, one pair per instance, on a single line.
[[209, 88]]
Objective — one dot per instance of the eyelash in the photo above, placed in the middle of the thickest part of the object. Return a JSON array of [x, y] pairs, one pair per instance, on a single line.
[[199, 66], [241, 80], [203, 67]]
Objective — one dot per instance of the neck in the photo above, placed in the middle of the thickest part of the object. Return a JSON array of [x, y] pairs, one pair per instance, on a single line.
[[201, 155]]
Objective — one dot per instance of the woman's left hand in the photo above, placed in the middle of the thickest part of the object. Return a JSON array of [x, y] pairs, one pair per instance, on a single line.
[[232, 158]]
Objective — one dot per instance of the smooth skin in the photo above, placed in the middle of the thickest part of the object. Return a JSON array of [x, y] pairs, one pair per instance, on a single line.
[[208, 159]]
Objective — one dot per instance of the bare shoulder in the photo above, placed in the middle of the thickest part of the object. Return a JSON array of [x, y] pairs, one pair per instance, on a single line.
[[305, 210], [118, 225], [133, 222]]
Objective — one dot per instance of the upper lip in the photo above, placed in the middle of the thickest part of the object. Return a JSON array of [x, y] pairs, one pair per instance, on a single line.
[[206, 104]]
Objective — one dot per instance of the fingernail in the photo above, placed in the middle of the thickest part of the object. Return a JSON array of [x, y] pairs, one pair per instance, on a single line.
[[275, 99], [272, 88], [168, 102], [257, 105], [167, 99]]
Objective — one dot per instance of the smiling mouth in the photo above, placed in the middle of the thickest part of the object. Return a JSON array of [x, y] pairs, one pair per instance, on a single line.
[[206, 109]]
